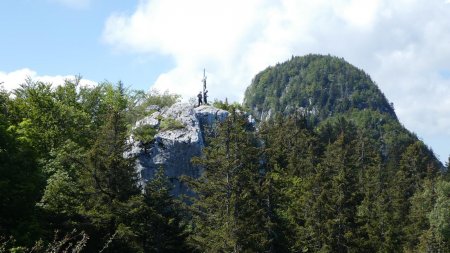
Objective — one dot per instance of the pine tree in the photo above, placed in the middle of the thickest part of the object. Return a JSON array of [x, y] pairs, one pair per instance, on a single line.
[[335, 197], [289, 157], [226, 209], [437, 237], [158, 220], [110, 181], [372, 182], [415, 166]]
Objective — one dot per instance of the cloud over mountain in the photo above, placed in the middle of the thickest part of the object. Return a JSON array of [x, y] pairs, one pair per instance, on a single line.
[[404, 45]]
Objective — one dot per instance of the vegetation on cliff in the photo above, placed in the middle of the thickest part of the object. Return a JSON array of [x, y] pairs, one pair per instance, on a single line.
[[327, 168], [321, 86]]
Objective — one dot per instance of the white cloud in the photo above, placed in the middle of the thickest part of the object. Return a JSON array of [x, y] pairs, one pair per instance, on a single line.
[[358, 13], [234, 39], [402, 44], [13, 80], [76, 4]]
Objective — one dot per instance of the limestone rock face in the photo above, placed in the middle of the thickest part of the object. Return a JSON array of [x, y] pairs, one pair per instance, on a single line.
[[173, 149]]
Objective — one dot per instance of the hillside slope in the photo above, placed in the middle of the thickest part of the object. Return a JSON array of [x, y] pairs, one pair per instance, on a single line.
[[324, 89], [321, 85]]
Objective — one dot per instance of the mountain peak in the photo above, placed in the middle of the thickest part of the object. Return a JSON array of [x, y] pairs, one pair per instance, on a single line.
[[320, 85], [177, 134]]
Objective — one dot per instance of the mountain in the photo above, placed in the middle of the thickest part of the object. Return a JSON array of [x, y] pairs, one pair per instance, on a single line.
[[321, 85], [326, 167], [325, 88], [175, 135]]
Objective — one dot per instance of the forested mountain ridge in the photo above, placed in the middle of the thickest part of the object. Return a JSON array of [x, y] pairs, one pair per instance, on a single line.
[[308, 178], [325, 88], [358, 180], [321, 85]]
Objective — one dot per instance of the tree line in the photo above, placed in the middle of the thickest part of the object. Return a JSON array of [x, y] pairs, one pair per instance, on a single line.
[[65, 183], [286, 185], [291, 187]]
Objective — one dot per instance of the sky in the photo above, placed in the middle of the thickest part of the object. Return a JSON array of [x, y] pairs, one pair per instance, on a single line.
[[404, 45]]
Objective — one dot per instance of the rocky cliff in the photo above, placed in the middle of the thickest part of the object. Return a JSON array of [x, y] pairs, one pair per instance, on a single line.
[[180, 133]]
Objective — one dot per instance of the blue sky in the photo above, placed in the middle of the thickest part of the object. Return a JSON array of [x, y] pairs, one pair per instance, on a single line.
[[404, 45], [65, 38]]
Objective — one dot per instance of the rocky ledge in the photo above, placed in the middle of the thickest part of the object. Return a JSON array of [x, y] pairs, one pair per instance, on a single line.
[[175, 143]]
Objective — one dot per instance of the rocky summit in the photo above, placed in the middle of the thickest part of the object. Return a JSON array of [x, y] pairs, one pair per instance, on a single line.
[[180, 132]]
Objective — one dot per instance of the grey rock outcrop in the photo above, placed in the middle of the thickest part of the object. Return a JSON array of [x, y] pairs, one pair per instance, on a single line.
[[173, 149]]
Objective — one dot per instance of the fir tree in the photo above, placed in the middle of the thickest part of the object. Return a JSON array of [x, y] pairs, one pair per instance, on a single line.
[[289, 157], [226, 210], [110, 180], [159, 218]]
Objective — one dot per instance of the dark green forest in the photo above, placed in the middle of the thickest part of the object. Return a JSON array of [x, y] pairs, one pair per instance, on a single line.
[[326, 167]]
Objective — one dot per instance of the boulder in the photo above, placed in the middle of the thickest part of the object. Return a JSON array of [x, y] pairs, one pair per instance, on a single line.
[[173, 148]]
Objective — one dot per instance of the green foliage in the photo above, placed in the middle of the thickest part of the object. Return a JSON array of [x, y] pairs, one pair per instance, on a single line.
[[20, 184], [226, 213], [63, 168], [60, 194], [70, 242], [139, 101], [165, 99], [48, 116], [170, 124], [439, 217], [331, 191], [332, 170], [322, 86], [235, 106], [160, 225], [145, 133], [63, 193], [290, 156]]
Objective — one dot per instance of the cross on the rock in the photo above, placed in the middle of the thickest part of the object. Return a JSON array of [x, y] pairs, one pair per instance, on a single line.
[[205, 91], [204, 80]]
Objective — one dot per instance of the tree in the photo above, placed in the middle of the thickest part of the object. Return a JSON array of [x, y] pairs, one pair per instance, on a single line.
[[110, 180], [334, 197], [437, 238], [374, 212], [226, 211], [49, 116], [414, 168], [20, 182], [63, 194], [288, 158], [158, 218]]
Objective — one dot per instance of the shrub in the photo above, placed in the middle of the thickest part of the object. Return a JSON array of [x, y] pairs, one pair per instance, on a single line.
[[228, 107], [145, 133], [170, 124]]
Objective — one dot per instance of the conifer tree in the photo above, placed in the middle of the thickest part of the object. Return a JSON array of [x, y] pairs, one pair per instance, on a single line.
[[110, 180], [413, 169], [335, 195], [437, 238], [374, 211], [289, 157], [226, 210], [158, 220]]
